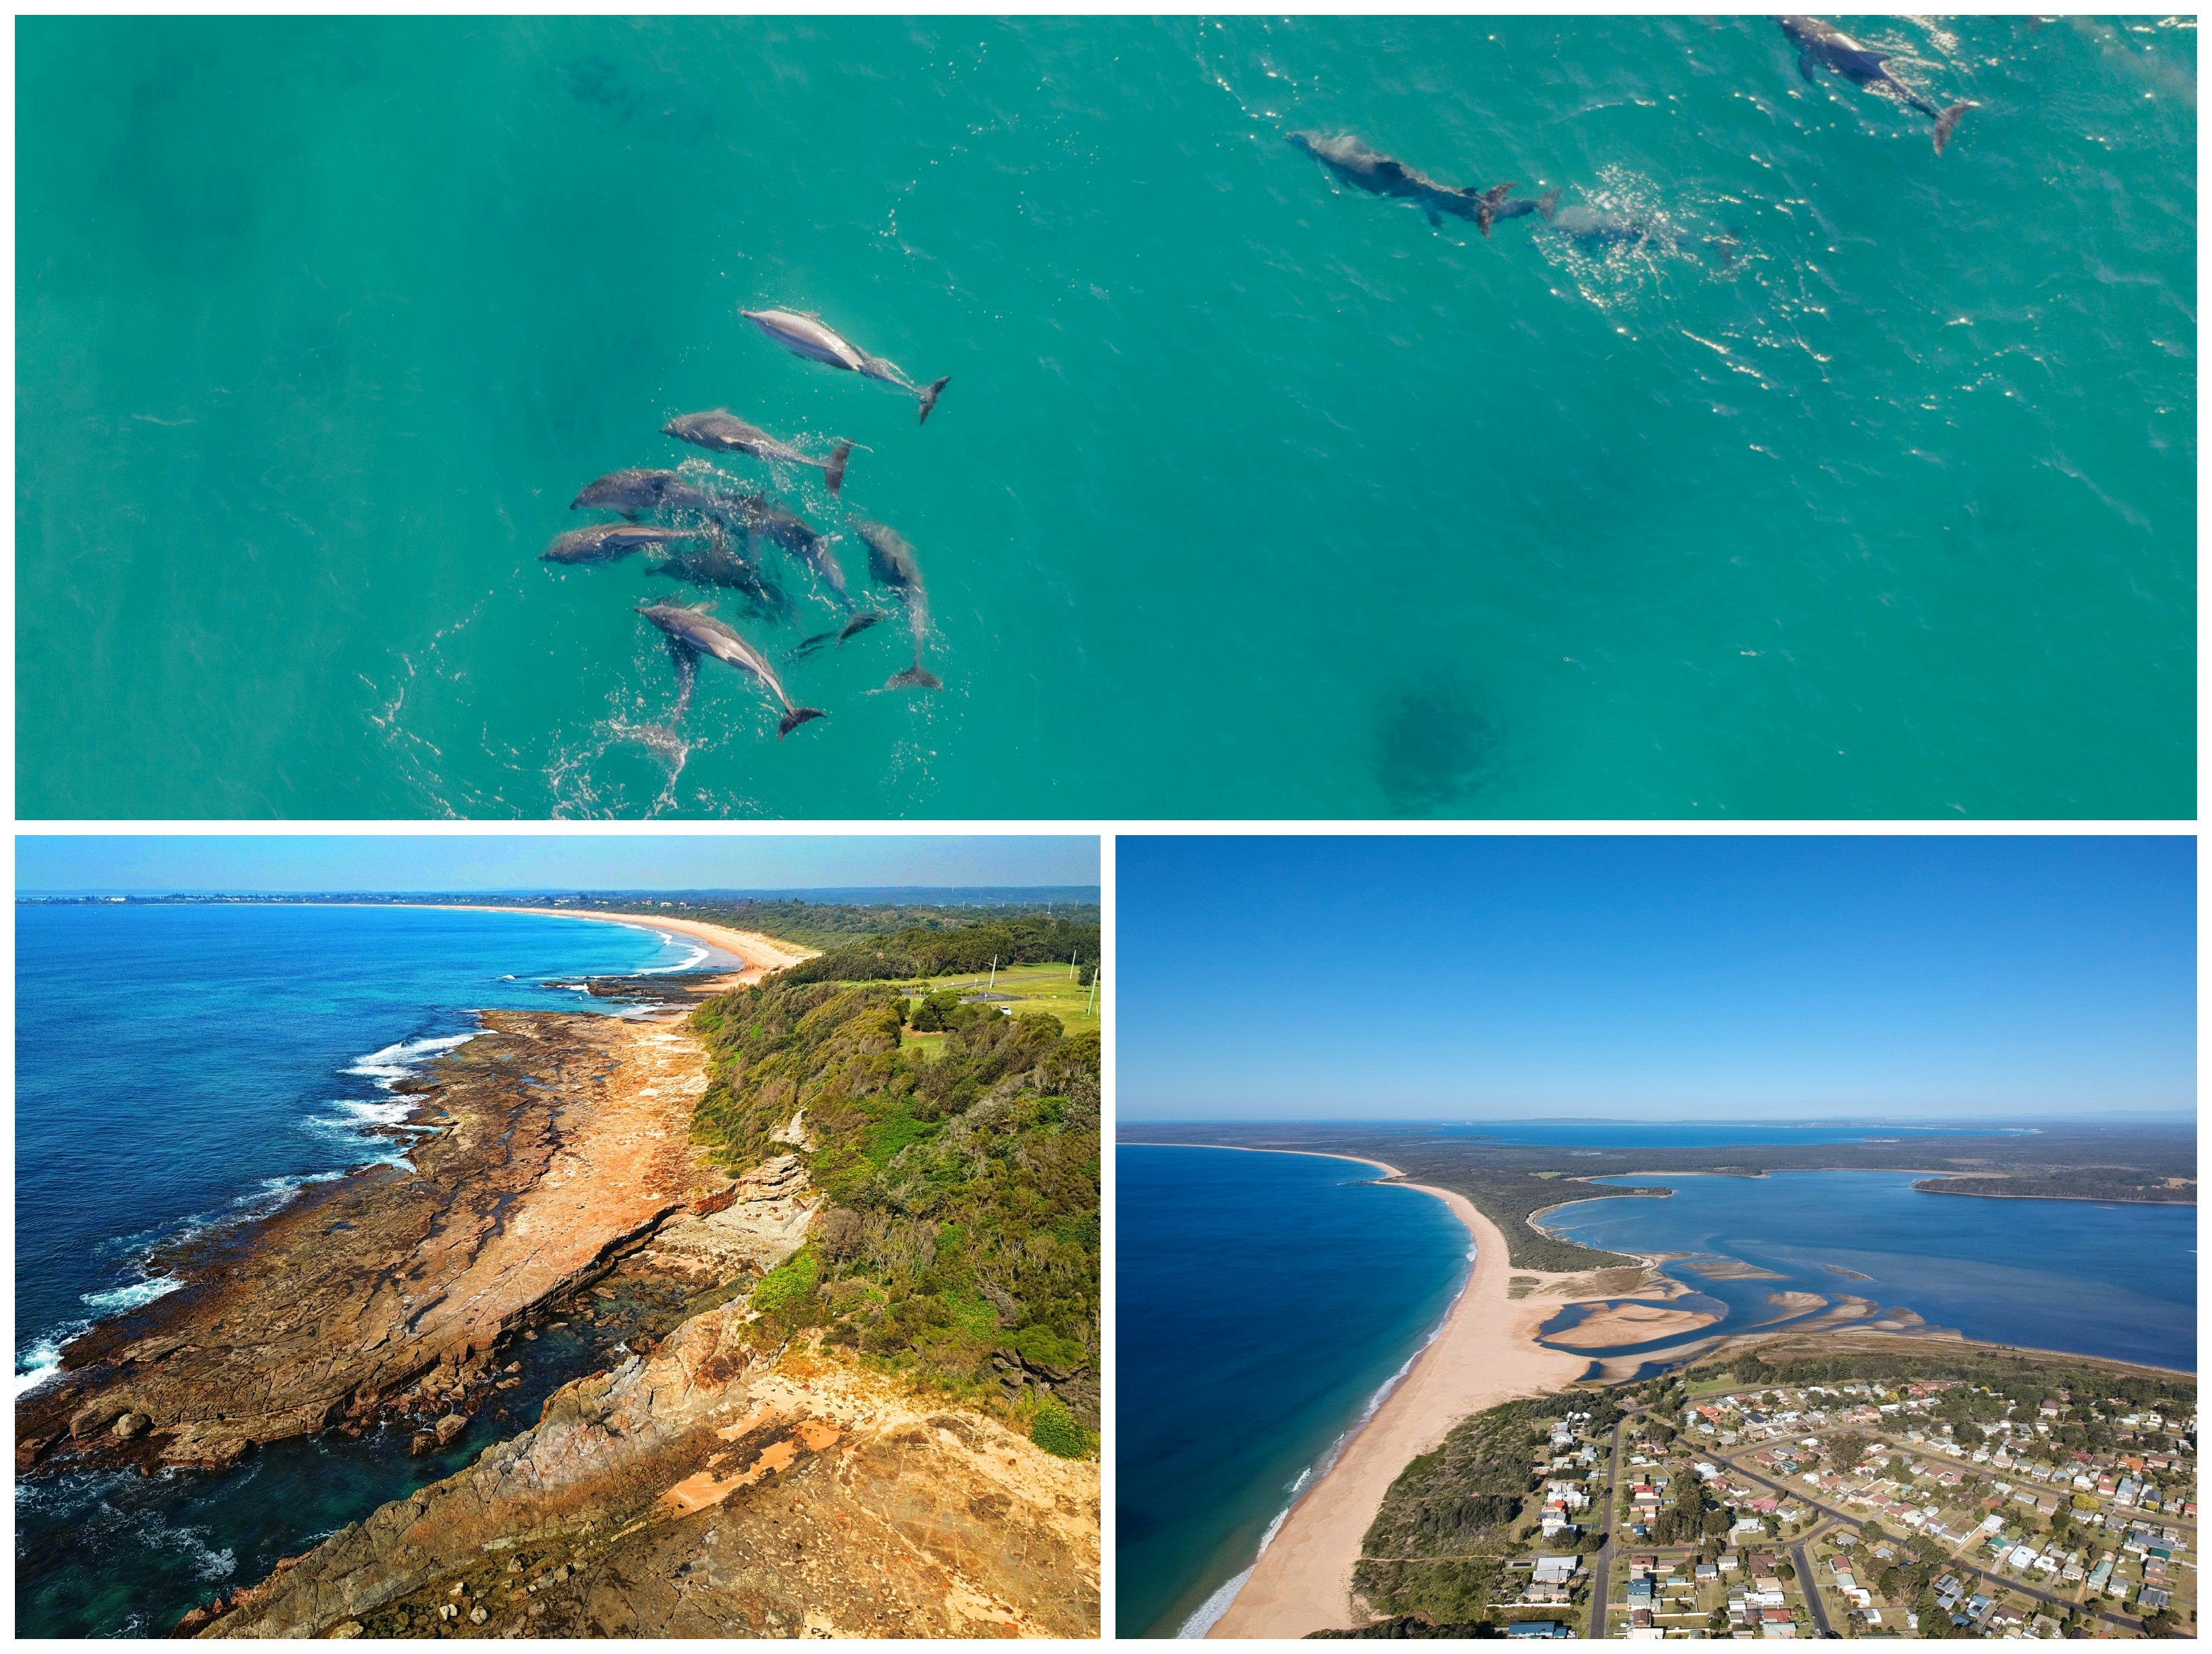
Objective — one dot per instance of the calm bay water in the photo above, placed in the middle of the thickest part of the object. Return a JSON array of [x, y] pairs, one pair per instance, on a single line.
[[179, 1067], [1263, 1300], [1864, 484], [2086, 1277]]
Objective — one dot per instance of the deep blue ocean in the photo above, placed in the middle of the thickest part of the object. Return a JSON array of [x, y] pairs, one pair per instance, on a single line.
[[180, 1067], [2084, 1276], [1263, 1301]]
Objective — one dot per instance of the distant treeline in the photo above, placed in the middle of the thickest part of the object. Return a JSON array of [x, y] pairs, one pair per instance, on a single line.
[[924, 951], [963, 1187], [2030, 1380], [2120, 1184]]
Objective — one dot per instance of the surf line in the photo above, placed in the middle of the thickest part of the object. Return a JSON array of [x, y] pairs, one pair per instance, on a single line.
[[1315, 1477]]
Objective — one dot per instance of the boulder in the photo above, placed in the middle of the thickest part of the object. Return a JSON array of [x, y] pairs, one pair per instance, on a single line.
[[450, 1426], [424, 1441], [130, 1425], [94, 1418]]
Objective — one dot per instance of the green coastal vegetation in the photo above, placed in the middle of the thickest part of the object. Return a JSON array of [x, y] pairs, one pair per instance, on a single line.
[[1440, 1546], [832, 925], [960, 1244], [2123, 1183], [928, 951]]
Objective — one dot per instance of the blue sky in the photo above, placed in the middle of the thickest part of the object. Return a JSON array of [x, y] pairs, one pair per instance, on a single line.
[[1664, 977], [292, 862]]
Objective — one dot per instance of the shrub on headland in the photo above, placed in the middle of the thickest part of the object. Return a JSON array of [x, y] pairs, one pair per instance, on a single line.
[[1055, 1430]]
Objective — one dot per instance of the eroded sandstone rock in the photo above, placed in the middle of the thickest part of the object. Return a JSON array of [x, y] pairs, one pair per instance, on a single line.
[[710, 1491], [568, 1136]]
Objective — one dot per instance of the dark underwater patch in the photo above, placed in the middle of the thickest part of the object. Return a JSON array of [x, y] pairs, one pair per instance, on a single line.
[[1434, 750]]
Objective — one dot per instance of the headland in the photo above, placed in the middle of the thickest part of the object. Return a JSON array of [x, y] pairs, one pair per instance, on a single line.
[[749, 1443]]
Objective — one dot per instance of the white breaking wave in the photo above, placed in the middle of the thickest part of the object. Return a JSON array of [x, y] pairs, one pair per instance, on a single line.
[[393, 1061], [1218, 1604], [116, 1299], [699, 956]]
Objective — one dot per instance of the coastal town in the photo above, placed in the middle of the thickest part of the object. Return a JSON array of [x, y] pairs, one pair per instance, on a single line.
[[1705, 1507]]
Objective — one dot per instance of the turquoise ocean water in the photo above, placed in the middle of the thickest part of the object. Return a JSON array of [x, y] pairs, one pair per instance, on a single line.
[[1863, 485]]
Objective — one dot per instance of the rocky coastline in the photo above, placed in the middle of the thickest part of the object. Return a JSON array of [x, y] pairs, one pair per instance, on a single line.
[[703, 1481]]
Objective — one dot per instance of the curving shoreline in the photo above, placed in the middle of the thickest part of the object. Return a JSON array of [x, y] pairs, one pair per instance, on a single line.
[[1485, 1353], [759, 956]]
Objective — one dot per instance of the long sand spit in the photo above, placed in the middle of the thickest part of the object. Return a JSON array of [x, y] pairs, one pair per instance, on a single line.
[[1486, 1353]]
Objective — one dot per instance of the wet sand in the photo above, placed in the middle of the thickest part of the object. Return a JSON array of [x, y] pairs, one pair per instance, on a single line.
[[1631, 1324], [1485, 1355]]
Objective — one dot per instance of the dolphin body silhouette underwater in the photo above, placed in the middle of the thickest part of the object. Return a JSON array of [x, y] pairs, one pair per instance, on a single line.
[[693, 632], [1368, 169], [815, 339], [1822, 45]]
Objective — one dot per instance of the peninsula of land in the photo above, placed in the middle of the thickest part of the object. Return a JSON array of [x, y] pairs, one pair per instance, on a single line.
[[1493, 1347], [721, 1462]]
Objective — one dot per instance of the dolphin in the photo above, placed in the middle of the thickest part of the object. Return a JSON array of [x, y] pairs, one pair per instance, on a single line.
[[809, 336], [606, 542], [891, 562], [722, 430], [763, 520], [1368, 169], [699, 632], [720, 563], [633, 492], [1820, 44]]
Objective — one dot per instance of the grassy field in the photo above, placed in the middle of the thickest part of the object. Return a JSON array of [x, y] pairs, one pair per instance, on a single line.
[[1030, 989]]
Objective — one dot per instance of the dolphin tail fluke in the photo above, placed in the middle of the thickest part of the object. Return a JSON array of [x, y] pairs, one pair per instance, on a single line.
[[929, 397], [1548, 203], [859, 622], [796, 716], [915, 676], [1946, 122], [833, 471]]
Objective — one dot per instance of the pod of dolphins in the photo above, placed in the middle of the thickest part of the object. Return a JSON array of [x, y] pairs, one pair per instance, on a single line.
[[1820, 46], [718, 534]]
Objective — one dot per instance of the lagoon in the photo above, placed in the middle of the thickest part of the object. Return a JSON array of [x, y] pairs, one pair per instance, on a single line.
[[2089, 1277]]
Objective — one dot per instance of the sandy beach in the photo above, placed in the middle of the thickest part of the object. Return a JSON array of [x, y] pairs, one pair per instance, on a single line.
[[1485, 1354], [763, 955]]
